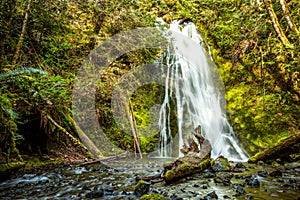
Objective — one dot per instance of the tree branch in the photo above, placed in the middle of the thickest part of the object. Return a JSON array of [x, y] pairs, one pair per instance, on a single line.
[[275, 22], [287, 16]]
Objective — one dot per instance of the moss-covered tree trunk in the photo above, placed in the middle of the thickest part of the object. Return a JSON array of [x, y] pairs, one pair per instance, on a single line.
[[275, 22], [283, 150], [194, 160], [20, 42]]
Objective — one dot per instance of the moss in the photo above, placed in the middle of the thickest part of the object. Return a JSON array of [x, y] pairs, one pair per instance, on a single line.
[[221, 164], [186, 169], [10, 167], [152, 197], [141, 188]]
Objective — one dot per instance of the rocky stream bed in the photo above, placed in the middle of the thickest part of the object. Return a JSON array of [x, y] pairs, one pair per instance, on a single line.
[[117, 180]]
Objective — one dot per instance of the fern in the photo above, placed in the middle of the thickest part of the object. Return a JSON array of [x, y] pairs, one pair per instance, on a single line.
[[21, 71]]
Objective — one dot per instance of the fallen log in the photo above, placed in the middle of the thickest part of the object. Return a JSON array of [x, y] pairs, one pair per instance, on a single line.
[[122, 155], [196, 158], [157, 178], [283, 150]]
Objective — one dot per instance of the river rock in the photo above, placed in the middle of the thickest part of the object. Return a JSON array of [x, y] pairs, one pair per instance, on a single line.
[[276, 173], [240, 165], [239, 189], [211, 195], [141, 188], [221, 164], [252, 181], [223, 177], [96, 193], [263, 173]]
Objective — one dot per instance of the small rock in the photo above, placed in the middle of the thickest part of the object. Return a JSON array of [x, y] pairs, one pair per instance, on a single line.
[[178, 198], [276, 173], [260, 163], [239, 191], [238, 176], [249, 197], [96, 193], [292, 165], [263, 173], [221, 164], [226, 197], [141, 188], [211, 195], [223, 177], [108, 192], [208, 174], [240, 165], [252, 181], [274, 195]]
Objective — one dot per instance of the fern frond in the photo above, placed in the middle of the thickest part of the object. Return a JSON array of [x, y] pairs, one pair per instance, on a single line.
[[19, 71]]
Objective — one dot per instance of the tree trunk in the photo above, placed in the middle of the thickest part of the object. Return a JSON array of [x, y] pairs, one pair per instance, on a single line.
[[275, 22], [131, 119], [283, 150], [20, 42], [74, 140], [86, 140], [195, 160], [287, 16]]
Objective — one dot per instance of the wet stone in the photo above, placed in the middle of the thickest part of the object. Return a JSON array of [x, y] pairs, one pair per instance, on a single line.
[[178, 198], [141, 188], [223, 177], [276, 173], [263, 173], [211, 195], [260, 163], [252, 181], [238, 176], [239, 189], [96, 193], [208, 174], [221, 164], [240, 165]]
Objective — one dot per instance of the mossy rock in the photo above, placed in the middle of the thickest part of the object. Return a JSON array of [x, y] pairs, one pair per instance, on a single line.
[[141, 188], [221, 164], [152, 197], [186, 169]]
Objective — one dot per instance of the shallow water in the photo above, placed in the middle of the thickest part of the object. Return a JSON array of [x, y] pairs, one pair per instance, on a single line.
[[116, 180]]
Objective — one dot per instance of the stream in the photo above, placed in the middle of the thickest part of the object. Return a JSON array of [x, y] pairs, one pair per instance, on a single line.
[[116, 180]]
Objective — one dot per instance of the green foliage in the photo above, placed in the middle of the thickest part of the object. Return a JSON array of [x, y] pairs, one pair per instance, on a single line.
[[260, 74]]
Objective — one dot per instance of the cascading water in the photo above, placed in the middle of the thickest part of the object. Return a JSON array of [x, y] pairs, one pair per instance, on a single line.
[[194, 84]]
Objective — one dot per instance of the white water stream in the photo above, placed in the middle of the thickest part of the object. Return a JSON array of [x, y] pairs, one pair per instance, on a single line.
[[194, 86]]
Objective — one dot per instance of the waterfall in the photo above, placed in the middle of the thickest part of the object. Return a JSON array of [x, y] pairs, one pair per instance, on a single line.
[[193, 84]]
